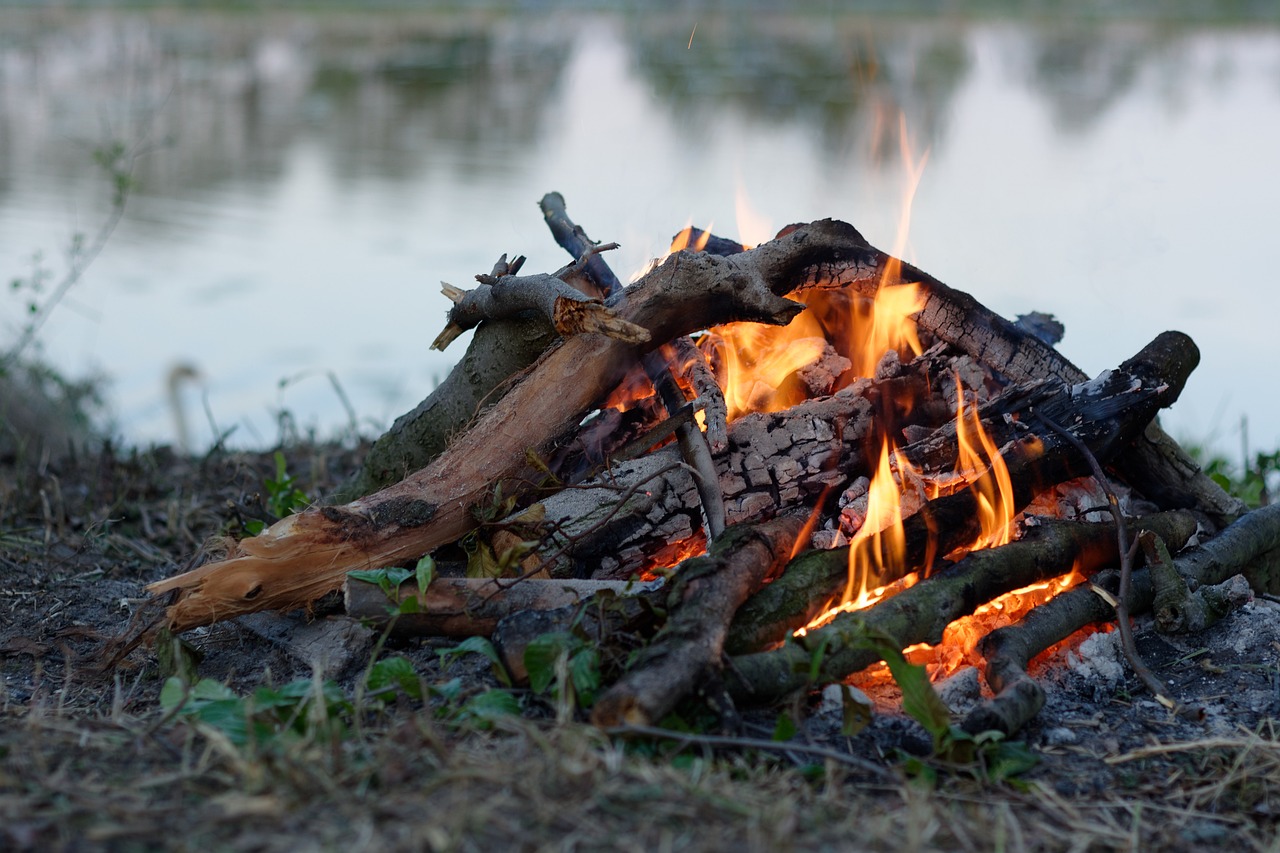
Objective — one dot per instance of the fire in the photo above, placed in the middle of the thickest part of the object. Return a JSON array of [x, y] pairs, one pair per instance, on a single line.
[[980, 464], [685, 240], [960, 639]]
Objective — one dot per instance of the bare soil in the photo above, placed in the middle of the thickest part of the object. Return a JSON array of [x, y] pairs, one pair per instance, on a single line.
[[89, 760]]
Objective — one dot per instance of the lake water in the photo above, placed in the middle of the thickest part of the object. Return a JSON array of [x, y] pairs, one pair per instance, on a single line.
[[308, 180]]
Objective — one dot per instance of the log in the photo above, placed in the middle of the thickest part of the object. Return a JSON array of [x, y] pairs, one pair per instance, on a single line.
[[469, 607], [630, 518], [1252, 538], [1157, 466], [921, 613], [1104, 415], [497, 352], [705, 593], [307, 555]]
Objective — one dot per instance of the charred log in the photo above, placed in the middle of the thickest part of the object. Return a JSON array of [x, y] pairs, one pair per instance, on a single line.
[[921, 613], [1008, 650], [1104, 414]]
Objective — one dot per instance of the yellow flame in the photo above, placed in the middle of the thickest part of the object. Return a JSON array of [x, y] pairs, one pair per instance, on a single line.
[[684, 240], [980, 464]]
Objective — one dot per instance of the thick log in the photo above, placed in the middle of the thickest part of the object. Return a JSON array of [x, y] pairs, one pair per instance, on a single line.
[[1157, 466], [1104, 415], [921, 613], [307, 555], [1254, 537], [705, 593], [470, 607]]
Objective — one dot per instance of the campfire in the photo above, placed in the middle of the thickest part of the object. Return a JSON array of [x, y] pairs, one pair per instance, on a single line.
[[751, 469]]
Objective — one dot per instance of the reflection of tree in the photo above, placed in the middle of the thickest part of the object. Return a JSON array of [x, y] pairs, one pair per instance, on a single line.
[[1083, 71], [379, 98], [851, 81]]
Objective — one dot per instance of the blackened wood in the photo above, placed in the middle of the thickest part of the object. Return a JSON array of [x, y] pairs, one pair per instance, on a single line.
[[1157, 466]]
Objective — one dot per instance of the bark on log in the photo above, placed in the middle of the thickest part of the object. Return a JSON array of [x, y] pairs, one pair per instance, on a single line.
[[469, 607], [498, 351], [1008, 650], [307, 555], [705, 593], [921, 613], [1104, 414]]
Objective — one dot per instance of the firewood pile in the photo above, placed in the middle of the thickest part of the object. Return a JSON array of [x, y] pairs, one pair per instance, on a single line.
[[733, 472]]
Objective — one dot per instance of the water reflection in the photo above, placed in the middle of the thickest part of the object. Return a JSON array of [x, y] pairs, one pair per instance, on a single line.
[[313, 176], [850, 82]]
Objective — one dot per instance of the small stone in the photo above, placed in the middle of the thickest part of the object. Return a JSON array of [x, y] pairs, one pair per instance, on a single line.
[[1060, 736], [960, 690]]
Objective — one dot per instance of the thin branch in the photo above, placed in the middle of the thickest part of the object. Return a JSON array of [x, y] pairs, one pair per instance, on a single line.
[[1121, 600], [694, 739]]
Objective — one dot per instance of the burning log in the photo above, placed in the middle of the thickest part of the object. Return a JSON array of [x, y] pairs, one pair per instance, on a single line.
[[920, 613], [695, 447], [704, 595], [1105, 415], [1254, 537]]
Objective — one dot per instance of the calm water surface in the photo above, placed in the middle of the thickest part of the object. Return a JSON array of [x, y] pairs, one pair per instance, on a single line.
[[309, 180]]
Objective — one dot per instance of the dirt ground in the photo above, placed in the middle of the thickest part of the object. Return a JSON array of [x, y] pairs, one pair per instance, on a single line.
[[91, 757]]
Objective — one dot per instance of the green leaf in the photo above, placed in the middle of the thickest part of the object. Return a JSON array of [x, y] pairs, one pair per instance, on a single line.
[[919, 699], [209, 689], [395, 672], [1009, 759], [584, 672], [785, 729], [387, 578], [173, 693], [492, 704], [540, 658], [425, 573], [481, 646]]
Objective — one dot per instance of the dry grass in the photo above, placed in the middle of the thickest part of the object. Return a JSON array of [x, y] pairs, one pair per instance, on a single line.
[[66, 781]]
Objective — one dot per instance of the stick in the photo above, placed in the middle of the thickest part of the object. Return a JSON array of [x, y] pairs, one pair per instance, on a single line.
[[703, 598]]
